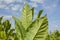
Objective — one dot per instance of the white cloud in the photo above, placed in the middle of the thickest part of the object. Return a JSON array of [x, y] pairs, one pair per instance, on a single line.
[[19, 1], [15, 7], [7, 16], [11, 1], [8, 1], [2, 6], [54, 25], [21, 9], [33, 4], [38, 1], [50, 7], [7, 8], [1, 1]]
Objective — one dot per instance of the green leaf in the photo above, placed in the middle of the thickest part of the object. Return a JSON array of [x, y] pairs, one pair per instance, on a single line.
[[39, 14], [7, 25], [33, 29], [1, 19], [3, 35], [19, 28], [26, 16], [11, 31], [0, 27], [32, 12], [43, 30]]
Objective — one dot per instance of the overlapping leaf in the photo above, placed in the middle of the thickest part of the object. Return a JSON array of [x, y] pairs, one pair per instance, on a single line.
[[19, 28], [28, 30], [43, 30], [4, 30]]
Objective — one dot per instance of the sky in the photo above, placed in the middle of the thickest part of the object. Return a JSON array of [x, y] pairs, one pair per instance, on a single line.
[[9, 8]]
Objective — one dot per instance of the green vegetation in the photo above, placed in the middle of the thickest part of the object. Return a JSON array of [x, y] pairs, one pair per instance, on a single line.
[[27, 28], [6, 33], [53, 36]]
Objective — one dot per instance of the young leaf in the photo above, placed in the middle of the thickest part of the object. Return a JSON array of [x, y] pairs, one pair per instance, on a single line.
[[26, 16]]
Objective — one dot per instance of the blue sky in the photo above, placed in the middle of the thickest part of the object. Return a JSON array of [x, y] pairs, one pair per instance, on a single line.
[[9, 8]]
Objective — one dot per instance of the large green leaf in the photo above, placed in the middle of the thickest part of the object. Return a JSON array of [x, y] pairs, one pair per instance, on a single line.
[[3, 35], [34, 30], [26, 16], [19, 28], [43, 30]]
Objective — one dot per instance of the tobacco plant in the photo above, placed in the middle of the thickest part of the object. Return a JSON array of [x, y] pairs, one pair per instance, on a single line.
[[29, 29], [53, 35], [6, 33]]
